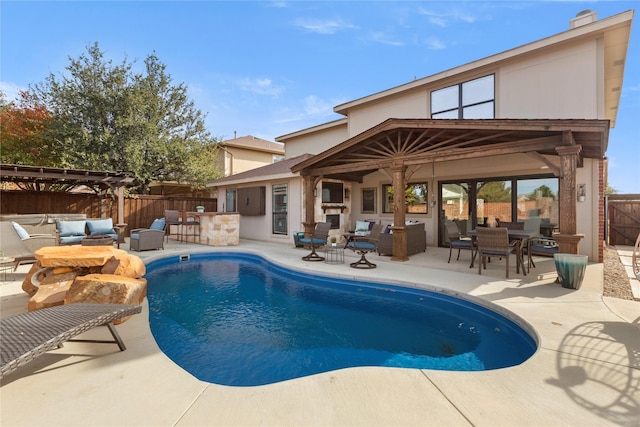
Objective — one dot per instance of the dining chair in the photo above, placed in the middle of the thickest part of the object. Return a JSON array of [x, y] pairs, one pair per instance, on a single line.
[[495, 242], [457, 240]]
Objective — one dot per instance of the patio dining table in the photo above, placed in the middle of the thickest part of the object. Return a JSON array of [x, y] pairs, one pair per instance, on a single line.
[[523, 235]]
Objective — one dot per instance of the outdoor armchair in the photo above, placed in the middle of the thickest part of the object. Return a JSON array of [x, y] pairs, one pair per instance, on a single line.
[[144, 239]]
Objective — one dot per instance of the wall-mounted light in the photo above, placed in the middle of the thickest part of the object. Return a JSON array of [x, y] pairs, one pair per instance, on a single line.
[[315, 191], [582, 192], [347, 194]]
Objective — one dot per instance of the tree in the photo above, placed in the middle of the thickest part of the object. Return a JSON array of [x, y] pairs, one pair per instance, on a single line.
[[23, 126], [494, 191], [108, 117], [542, 191]]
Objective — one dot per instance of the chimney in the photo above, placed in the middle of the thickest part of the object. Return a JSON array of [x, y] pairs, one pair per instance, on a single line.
[[583, 18]]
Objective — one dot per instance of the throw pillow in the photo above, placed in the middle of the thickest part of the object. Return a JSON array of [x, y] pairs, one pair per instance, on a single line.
[[20, 230]]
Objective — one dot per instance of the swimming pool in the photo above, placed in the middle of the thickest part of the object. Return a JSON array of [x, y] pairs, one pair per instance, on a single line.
[[237, 319]]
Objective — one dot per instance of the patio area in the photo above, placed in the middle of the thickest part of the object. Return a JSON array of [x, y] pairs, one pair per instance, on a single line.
[[586, 370]]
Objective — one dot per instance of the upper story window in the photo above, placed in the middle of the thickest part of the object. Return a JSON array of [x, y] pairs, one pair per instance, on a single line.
[[474, 99]]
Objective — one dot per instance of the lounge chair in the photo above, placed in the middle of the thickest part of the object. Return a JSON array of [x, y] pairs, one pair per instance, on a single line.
[[317, 239], [11, 245], [457, 241], [365, 244], [29, 335], [33, 241], [144, 239], [495, 242]]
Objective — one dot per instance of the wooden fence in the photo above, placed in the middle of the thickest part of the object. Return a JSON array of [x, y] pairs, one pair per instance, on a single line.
[[139, 211], [623, 218]]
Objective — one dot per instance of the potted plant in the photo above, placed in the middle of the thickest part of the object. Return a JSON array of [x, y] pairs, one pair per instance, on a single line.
[[333, 240]]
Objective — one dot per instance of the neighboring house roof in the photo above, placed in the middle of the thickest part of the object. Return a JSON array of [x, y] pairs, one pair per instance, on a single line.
[[614, 32], [256, 144], [281, 169], [313, 129]]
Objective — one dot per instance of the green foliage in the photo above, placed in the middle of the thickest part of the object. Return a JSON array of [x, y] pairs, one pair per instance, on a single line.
[[108, 117], [494, 191], [542, 191]]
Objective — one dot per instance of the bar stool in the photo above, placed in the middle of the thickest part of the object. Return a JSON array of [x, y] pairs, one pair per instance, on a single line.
[[190, 227], [172, 218]]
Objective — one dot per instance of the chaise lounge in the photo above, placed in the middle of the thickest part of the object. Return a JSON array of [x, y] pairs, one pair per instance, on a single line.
[[29, 335]]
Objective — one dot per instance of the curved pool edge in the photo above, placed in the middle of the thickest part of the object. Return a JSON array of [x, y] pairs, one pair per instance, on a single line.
[[308, 268]]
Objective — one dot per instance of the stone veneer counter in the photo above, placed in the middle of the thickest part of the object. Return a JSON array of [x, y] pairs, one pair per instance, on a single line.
[[219, 228]]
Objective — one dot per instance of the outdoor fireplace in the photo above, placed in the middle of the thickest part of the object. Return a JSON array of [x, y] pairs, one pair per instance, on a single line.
[[334, 219]]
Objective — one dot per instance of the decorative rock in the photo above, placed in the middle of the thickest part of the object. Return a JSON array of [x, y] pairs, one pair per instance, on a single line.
[[52, 291], [107, 289], [76, 256], [27, 284], [125, 265]]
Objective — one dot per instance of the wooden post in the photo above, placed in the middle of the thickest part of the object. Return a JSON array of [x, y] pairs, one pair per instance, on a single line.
[[399, 251], [567, 238], [309, 204]]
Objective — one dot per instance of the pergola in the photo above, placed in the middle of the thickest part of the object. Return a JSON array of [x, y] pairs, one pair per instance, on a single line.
[[116, 181], [401, 146]]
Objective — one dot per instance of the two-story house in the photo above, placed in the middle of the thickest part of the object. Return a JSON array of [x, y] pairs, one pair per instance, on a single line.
[[518, 135]]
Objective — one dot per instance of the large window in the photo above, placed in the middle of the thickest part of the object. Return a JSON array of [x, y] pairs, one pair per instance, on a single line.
[[474, 99], [416, 198], [279, 203], [230, 203]]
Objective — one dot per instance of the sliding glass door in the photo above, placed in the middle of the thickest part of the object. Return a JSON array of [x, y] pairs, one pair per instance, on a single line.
[[475, 202]]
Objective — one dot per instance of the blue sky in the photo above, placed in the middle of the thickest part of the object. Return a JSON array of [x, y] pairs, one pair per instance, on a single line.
[[268, 68]]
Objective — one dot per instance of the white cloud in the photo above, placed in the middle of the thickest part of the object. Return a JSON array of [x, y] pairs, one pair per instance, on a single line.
[[323, 26], [260, 86], [434, 43], [314, 106], [383, 38], [11, 91], [445, 18]]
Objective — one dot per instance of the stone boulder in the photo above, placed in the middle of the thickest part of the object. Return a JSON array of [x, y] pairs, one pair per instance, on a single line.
[[107, 289], [125, 265], [52, 290]]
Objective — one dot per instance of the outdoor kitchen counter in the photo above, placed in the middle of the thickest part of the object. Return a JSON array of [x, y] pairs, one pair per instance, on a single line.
[[219, 228]]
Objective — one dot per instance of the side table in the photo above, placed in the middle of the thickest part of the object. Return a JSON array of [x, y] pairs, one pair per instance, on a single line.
[[334, 254], [7, 264]]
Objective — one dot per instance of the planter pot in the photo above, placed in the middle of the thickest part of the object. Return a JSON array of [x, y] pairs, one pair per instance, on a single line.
[[199, 208], [570, 268]]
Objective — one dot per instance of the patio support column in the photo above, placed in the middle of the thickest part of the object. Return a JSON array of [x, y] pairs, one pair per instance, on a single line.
[[309, 204], [119, 192], [398, 169], [567, 238]]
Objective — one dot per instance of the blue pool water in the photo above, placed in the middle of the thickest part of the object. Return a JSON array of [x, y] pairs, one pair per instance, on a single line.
[[236, 319]]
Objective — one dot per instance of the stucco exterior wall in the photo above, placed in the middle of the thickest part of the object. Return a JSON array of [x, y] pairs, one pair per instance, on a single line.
[[242, 160], [260, 227], [412, 105], [316, 142], [554, 85]]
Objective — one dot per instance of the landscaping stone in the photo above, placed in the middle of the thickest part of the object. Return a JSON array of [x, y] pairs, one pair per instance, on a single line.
[[52, 291], [107, 289]]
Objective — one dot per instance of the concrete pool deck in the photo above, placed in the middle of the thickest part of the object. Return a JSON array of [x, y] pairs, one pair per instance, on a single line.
[[586, 370]]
